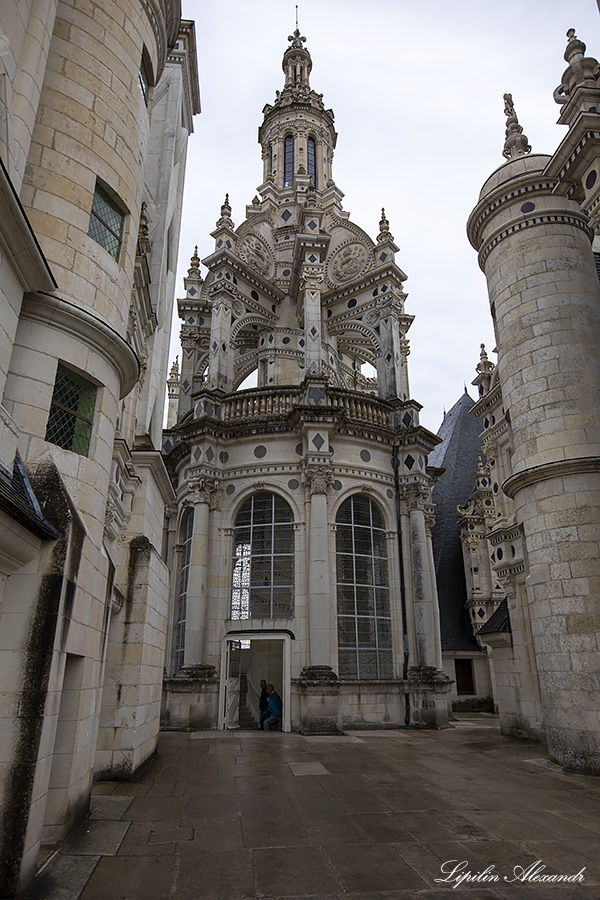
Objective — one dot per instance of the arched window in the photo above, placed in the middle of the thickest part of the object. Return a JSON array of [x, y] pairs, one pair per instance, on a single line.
[[288, 161], [363, 597], [311, 159], [263, 559], [187, 528]]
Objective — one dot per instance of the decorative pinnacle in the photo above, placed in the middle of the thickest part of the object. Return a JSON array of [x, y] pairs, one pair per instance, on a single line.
[[484, 365], [516, 143], [384, 229], [575, 48], [225, 214], [194, 269]]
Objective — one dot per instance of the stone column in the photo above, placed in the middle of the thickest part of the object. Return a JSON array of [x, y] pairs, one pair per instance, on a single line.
[[437, 635], [205, 496], [319, 581], [424, 597], [313, 340], [391, 365], [220, 359]]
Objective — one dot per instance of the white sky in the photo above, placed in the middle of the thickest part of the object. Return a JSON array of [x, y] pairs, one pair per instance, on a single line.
[[416, 87]]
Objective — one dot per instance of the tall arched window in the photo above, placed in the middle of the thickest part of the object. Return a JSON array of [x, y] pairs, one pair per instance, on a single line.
[[288, 161], [363, 597], [311, 159], [263, 559], [187, 528]]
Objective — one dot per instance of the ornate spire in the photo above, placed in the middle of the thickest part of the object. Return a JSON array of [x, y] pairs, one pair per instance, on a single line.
[[582, 71], [516, 143], [225, 214], [194, 269], [384, 229]]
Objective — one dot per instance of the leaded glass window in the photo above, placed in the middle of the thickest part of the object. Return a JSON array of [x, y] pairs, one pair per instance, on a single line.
[[71, 412], [363, 599], [184, 572], [106, 222], [288, 161], [263, 559], [311, 159]]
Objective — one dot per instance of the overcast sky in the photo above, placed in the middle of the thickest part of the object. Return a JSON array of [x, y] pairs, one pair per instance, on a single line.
[[417, 91]]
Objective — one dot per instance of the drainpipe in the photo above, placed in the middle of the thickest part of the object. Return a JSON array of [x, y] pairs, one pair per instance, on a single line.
[[395, 465]]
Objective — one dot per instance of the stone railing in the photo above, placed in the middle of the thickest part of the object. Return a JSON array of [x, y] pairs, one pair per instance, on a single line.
[[263, 402], [281, 401]]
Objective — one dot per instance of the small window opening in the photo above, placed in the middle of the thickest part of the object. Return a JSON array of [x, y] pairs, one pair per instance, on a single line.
[[106, 222], [71, 412]]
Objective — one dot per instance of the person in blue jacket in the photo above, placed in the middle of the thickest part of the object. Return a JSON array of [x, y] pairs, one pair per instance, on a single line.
[[274, 708]]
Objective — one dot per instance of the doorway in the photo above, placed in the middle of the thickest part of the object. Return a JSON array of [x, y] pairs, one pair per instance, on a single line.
[[250, 657]]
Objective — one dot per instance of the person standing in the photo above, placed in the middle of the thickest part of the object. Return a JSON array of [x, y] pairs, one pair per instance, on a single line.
[[274, 709], [263, 703]]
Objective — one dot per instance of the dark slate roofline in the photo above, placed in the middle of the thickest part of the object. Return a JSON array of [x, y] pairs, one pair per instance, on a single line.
[[19, 501], [498, 622]]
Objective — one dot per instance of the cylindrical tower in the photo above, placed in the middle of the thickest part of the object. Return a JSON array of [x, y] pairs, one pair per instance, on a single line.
[[535, 249]]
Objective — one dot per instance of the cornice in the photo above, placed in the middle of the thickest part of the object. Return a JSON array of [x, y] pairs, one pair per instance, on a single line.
[[578, 466], [63, 315]]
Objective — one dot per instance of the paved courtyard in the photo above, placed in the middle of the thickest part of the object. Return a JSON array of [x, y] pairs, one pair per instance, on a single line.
[[380, 814]]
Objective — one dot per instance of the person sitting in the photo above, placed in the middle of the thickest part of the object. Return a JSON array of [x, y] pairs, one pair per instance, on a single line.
[[274, 709]]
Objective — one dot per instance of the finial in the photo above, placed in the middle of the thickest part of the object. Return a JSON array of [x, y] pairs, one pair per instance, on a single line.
[[225, 213], [384, 229], [582, 70], [296, 17], [516, 143], [311, 194], [194, 269], [174, 373], [296, 39], [575, 51]]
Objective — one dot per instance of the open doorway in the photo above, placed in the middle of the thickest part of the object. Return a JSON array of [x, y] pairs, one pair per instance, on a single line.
[[246, 659]]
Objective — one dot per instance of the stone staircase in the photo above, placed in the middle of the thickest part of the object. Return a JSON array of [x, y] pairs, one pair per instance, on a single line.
[[246, 719]]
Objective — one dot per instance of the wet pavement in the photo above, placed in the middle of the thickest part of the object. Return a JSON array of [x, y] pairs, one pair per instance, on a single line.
[[365, 816]]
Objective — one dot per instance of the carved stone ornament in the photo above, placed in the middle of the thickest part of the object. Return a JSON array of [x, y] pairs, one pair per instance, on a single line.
[[418, 497], [319, 479], [206, 490], [347, 263], [257, 254]]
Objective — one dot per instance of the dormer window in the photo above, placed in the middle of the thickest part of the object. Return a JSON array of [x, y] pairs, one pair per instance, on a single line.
[[288, 161]]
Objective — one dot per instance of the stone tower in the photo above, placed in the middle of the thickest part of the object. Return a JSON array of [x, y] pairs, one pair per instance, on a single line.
[[533, 228], [302, 531]]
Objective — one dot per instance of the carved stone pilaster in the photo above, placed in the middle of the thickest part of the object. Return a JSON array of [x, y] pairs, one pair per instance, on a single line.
[[206, 490], [318, 479]]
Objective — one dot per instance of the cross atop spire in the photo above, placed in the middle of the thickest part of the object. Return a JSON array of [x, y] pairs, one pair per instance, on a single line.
[[516, 143]]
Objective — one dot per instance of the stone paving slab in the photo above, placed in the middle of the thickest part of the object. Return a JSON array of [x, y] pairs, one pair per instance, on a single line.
[[242, 816]]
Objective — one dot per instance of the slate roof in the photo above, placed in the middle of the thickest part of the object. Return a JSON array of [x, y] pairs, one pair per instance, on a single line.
[[499, 621], [19, 501], [458, 455]]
